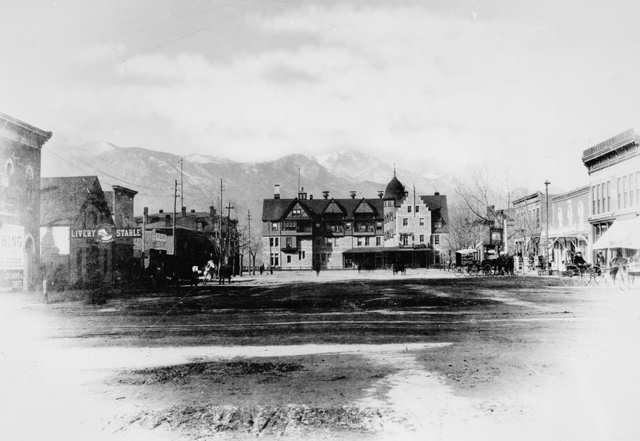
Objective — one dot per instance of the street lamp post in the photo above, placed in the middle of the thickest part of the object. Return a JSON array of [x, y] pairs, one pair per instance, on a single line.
[[546, 184]]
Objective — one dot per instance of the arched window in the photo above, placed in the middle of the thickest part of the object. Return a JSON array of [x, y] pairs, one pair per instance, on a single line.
[[8, 167], [28, 173], [29, 186]]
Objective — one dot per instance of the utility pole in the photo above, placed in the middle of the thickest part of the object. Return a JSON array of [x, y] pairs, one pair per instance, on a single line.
[[181, 186], [173, 229], [228, 247], [251, 258], [220, 231], [546, 184]]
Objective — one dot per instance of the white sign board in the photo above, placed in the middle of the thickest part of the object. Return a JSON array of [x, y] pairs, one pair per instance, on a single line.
[[11, 247]]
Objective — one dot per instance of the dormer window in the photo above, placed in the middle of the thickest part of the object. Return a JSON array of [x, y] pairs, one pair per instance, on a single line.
[[296, 212]]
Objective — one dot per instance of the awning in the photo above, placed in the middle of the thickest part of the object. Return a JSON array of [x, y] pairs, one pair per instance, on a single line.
[[367, 250], [624, 233], [467, 251]]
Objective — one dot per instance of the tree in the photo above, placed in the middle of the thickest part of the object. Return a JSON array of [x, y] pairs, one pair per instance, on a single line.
[[466, 230], [251, 245], [473, 211]]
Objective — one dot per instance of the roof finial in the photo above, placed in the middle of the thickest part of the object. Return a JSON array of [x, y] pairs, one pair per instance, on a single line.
[[394, 169]]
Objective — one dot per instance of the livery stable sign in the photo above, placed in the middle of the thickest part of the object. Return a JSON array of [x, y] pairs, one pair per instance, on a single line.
[[105, 233]]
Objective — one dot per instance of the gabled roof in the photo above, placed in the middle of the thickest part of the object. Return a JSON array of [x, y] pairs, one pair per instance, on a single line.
[[274, 210], [298, 203], [437, 204], [63, 199], [364, 207], [333, 207]]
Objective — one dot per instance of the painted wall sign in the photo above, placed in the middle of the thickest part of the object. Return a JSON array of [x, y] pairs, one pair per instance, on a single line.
[[105, 233]]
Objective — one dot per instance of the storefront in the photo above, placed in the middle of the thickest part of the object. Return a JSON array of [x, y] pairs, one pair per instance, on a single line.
[[621, 237]]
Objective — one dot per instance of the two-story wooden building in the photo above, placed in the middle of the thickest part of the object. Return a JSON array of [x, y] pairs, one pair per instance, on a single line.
[[613, 166]]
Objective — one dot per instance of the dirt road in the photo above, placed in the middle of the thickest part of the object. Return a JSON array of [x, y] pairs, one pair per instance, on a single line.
[[448, 359]]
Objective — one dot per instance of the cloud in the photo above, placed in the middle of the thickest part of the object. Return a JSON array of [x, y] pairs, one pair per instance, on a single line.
[[398, 80]]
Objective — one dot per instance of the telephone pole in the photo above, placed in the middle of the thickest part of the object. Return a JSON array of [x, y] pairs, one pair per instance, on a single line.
[[228, 247], [173, 229], [220, 231], [251, 258], [181, 186], [546, 184]]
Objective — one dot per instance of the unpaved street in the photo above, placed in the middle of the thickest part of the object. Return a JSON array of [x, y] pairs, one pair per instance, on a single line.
[[414, 358]]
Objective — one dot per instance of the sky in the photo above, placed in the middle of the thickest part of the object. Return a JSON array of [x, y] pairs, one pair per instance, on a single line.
[[518, 88]]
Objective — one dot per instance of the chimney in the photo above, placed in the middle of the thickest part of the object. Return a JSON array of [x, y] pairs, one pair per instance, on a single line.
[[161, 211], [276, 191], [310, 196], [437, 193], [145, 214], [352, 193], [212, 211], [325, 194], [380, 194], [184, 211], [193, 211]]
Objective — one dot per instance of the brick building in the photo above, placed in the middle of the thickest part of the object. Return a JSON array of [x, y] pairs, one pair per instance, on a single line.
[[20, 149], [86, 233]]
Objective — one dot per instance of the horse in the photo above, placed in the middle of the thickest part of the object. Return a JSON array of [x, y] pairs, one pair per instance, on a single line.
[[225, 272]]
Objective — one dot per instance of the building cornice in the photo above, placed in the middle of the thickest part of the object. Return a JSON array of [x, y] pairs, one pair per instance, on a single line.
[[19, 131]]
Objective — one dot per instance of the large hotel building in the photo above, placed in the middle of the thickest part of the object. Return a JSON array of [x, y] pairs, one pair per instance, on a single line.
[[331, 233]]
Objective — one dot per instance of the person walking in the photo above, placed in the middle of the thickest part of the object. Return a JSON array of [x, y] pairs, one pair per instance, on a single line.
[[579, 262], [618, 267]]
